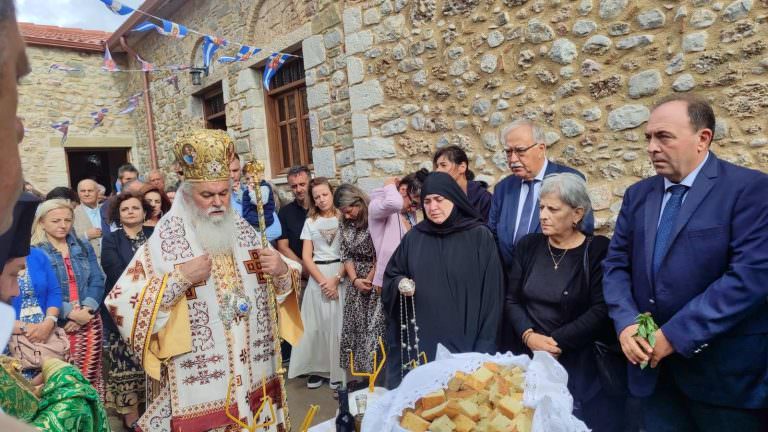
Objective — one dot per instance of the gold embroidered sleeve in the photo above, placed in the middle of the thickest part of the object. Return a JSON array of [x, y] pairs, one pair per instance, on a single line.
[[286, 282], [176, 287]]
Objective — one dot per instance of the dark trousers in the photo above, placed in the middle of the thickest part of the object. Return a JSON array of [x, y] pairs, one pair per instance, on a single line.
[[604, 413], [669, 410]]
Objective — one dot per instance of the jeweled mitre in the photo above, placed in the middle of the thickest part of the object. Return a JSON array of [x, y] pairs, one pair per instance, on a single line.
[[204, 155]]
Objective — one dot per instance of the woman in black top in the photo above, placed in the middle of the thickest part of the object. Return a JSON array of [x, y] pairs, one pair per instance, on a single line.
[[125, 378], [554, 300], [452, 260]]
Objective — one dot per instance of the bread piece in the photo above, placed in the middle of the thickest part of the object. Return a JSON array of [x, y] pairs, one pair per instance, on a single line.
[[452, 410], [500, 423], [433, 399], [435, 412], [483, 425], [461, 394], [442, 424], [509, 407], [479, 397], [517, 396], [455, 383], [463, 423], [479, 379], [524, 421], [485, 410], [493, 367], [413, 423], [469, 409]]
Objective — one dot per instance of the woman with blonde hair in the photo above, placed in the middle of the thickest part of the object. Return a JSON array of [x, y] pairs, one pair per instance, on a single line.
[[317, 354], [82, 285]]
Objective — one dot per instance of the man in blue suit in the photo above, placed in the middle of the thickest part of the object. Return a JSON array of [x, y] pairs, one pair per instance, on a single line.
[[514, 210], [691, 248]]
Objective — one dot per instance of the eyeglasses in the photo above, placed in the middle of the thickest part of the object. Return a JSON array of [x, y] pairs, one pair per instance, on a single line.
[[518, 151]]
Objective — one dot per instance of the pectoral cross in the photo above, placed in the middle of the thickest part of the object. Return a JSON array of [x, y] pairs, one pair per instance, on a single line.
[[254, 265]]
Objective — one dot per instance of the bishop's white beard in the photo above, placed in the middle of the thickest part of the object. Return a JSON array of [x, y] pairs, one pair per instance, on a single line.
[[216, 234]]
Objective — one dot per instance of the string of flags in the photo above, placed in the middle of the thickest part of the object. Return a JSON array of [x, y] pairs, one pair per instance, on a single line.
[[98, 116], [210, 44]]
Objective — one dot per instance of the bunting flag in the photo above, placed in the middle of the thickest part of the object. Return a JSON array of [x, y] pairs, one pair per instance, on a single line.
[[169, 28], [210, 45], [63, 68], [133, 103], [109, 63], [173, 79], [98, 117], [244, 54], [274, 62], [145, 65], [178, 67], [63, 127], [117, 7]]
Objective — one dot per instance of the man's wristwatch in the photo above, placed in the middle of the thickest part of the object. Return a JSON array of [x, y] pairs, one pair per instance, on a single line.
[[53, 318]]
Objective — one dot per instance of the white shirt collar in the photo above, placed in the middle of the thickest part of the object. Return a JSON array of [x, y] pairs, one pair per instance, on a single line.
[[690, 178]]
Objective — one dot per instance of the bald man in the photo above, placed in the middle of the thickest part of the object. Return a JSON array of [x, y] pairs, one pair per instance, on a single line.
[[88, 223], [157, 179]]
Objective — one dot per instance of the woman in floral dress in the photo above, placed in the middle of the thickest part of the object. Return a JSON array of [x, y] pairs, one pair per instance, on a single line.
[[363, 318]]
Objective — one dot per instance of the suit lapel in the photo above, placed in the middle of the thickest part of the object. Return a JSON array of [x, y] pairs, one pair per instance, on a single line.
[[652, 213], [513, 203], [701, 187]]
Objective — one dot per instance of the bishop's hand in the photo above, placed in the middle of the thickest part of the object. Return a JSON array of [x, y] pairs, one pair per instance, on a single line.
[[272, 262], [197, 269]]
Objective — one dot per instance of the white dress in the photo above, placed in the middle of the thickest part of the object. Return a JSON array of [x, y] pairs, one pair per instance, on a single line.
[[317, 353]]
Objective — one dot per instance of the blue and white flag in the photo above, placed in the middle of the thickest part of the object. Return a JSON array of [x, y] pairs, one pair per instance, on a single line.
[[63, 127], [169, 28], [117, 7], [98, 117], [274, 62], [244, 54], [210, 45]]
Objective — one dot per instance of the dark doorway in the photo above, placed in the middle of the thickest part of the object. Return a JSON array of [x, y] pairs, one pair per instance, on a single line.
[[97, 164]]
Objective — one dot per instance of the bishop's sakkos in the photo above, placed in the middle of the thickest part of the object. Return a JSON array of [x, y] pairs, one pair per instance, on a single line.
[[194, 305]]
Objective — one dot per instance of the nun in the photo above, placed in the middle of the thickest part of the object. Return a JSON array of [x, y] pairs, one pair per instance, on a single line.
[[443, 284]]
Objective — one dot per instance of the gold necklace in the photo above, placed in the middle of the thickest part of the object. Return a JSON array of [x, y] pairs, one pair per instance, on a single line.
[[559, 259]]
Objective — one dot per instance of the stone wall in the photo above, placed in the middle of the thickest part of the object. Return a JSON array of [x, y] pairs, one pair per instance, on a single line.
[[175, 110], [46, 97], [422, 74]]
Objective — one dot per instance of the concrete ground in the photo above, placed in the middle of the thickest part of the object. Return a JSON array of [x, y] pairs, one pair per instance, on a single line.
[[299, 400]]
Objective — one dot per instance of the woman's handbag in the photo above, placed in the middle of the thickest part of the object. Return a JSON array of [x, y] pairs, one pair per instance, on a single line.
[[609, 359], [31, 355]]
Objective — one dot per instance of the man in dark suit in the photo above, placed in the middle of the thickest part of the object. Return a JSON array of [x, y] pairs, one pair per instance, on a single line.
[[691, 248], [514, 211]]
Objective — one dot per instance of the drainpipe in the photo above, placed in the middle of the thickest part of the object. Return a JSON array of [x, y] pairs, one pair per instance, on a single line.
[[147, 107]]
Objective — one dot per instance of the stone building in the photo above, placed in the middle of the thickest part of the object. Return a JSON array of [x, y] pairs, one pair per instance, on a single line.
[[382, 83], [48, 95]]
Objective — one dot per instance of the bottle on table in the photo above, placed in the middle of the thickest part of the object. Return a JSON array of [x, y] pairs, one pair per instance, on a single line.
[[345, 422]]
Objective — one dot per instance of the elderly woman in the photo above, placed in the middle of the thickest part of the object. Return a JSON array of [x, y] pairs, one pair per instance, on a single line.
[[454, 161], [452, 260], [125, 378], [363, 318], [82, 285], [554, 299]]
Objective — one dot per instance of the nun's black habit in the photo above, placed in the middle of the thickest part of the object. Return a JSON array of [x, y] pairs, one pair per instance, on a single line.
[[459, 281]]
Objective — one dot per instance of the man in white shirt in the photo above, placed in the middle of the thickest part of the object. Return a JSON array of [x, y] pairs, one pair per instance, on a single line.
[[88, 214]]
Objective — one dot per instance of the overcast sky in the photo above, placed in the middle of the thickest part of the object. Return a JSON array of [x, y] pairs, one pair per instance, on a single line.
[[85, 14]]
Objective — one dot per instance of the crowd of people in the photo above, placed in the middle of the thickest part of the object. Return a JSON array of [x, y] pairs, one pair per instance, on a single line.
[[152, 301]]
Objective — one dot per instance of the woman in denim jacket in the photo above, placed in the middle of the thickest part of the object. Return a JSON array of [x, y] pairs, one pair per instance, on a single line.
[[82, 285]]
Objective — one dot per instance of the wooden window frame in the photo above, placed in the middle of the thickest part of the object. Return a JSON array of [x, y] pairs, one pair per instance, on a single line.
[[274, 124], [205, 96]]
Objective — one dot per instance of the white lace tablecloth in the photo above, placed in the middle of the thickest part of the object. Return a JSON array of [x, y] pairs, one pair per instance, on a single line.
[[545, 390]]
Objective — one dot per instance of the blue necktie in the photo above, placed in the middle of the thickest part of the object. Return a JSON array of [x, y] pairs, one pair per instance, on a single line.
[[525, 216], [667, 224]]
